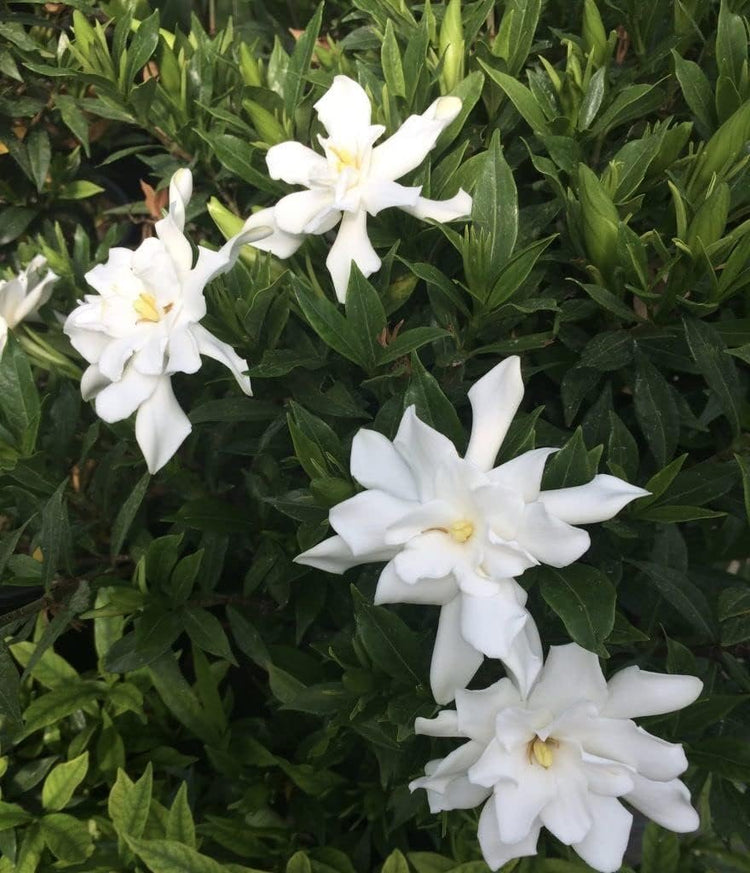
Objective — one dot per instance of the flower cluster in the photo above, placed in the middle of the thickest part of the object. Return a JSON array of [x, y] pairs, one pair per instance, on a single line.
[[143, 325], [553, 745]]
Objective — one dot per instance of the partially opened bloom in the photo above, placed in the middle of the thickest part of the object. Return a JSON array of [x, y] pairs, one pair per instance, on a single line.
[[562, 757], [354, 178], [142, 326], [21, 296], [455, 531]]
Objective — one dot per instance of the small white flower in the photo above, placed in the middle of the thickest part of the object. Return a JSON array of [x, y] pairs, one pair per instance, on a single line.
[[353, 179], [560, 759], [455, 531], [142, 326], [22, 296]]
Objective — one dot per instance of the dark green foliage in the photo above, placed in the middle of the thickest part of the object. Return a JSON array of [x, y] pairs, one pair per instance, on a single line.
[[175, 693]]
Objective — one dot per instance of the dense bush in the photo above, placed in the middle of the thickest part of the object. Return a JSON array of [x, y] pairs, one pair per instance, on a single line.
[[176, 694]]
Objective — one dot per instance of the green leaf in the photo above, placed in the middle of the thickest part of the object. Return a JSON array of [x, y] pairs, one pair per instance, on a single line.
[[10, 690], [661, 850], [744, 465], [686, 597], [584, 599], [390, 59], [521, 97], [299, 862], [432, 406], [247, 638], [129, 802], [495, 207], [180, 826], [60, 703], [609, 350], [634, 101], [299, 63], [54, 539], [74, 119], [365, 318], [40, 154], [180, 699], [330, 325], [62, 781], [607, 300], [12, 815], [717, 368], [656, 410], [734, 615], [573, 465], [697, 92], [395, 863], [388, 641], [80, 189], [20, 408], [592, 99], [409, 341], [184, 575], [127, 513], [66, 837], [205, 630], [726, 756], [237, 156], [142, 46]]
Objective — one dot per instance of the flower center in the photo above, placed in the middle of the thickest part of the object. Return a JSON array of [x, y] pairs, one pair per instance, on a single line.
[[147, 308], [541, 751], [344, 158], [461, 531]]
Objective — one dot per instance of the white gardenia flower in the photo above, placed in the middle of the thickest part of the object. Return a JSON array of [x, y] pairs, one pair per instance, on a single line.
[[353, 178], [23, 295], [561, 758], [455, 531], [142, 326]]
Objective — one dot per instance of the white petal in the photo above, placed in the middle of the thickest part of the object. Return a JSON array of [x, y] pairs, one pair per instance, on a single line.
[[425, 450], [381, 194], [477, 710], [431, 555], [524, 659], [519, 806], [392, 589], [495, 851], [445, 724], [550, 540], [92, 382], [522, 474], [571, 674], [363, 519], [413, 141], [114, 356], [332, 555], [635, 692], [304, 212], [495, 398], [599, 500], [35, 298], [180, 192], [103, 276], [606, 778], [3, 334], [279, 243], [89, 343], [344, 108], [351, 244], [223, 353], [176, 244], [149, 359], [454, 661], [459, 206], [121, 399], [490, 624], [375, 463], [622, 740], [604, 845], [567, 814], [446, 781], [666, 803], [184, 356], [505, 560], [295, 163], [160, 426]]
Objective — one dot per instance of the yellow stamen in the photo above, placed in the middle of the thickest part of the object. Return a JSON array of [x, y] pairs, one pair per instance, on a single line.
[[345, 158], [461, 531], [541, 751], [147, 307]]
